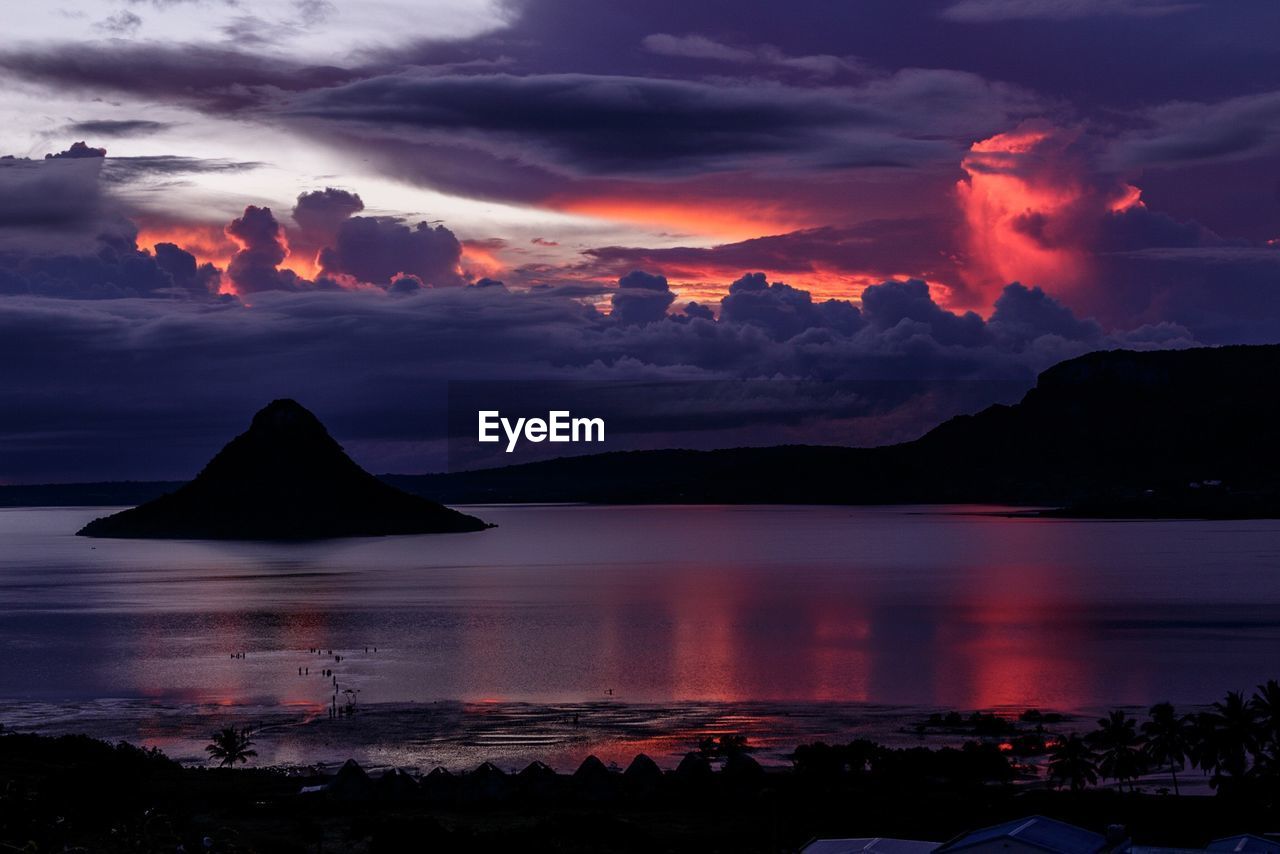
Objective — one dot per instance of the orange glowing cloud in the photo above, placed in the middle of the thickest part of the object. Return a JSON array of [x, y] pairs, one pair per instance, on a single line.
[[304, 264], [1032, 205], [712, 219], [480, 258], [210, 244], [708, 285]]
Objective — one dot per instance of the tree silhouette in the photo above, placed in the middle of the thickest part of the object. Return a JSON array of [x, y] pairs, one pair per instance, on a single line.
[[231, 745], [1168, 739], [1121, 756], [1266, 709], [1072, 762], [1233, 736]]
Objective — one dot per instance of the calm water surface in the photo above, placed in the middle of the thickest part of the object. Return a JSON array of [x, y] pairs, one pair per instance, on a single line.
[[646, 606]]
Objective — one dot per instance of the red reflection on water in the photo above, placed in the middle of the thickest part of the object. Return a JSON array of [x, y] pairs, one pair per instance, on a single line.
[[704, 646], [840, 658], [1014, 641]]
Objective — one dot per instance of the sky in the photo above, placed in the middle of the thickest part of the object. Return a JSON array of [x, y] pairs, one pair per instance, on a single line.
[[207, 204]]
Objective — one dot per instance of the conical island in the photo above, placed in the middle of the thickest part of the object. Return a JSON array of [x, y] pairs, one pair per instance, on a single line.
[[285, 478]]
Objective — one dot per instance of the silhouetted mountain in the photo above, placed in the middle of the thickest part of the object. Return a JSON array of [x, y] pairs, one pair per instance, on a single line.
[[1121, 432], [283, 479]]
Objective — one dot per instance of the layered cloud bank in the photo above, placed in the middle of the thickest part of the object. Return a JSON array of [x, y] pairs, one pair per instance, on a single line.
[[239, 204]]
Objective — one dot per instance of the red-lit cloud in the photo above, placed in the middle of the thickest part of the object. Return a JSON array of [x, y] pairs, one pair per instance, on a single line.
[[1033, 206]]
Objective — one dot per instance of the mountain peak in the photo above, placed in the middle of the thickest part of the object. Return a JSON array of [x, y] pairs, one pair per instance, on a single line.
[[284, 413]]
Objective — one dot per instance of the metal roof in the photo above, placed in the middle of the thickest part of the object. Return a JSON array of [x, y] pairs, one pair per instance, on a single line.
[[1245, 842], [1038, 831], [869, 845]]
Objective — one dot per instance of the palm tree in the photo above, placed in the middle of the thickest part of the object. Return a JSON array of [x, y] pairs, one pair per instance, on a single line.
[[1234, 735], [1121, 757], [1072, 761], [1203, 750], [1168, 739], [1266, 707], [231, 745]]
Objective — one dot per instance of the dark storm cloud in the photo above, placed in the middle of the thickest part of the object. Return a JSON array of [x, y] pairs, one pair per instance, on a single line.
[[50, 197], [1184, 133], [215, 78], [1061, 10], [1224, 294], [375, 363], [116, 270], [374, 250], [118, 127], [1094, 52], [598, 124], [125, 169]]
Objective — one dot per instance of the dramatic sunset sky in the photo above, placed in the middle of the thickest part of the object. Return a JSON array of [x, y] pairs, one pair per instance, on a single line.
[[205, 204]]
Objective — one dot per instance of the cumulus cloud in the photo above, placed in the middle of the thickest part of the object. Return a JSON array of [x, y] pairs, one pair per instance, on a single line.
[[116, 269], [320, 213], [211, 361], [641, 298], [77, 150], [784, 311], [1023, 314], [263, 247], [376, 249]]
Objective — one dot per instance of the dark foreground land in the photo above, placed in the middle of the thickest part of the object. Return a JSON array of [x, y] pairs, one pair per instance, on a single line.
[[74, 793]]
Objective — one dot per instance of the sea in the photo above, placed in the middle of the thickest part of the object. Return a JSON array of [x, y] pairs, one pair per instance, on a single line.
[[570, 630]]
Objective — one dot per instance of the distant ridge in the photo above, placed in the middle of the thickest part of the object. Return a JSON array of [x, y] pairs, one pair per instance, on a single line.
[[1168, 433], [285, 478], [1118, 434]]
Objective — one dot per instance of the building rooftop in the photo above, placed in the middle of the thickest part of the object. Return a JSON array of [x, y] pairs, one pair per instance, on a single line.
[[1246, 843], [1036, 831], [869, 845]]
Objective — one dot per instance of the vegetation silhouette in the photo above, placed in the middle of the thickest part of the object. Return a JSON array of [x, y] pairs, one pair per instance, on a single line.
[[1073, 762], [74, 792], [231, 745], [1168, 740]]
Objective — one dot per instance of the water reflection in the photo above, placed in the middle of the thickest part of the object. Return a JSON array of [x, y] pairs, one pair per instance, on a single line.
[[651, 605]]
